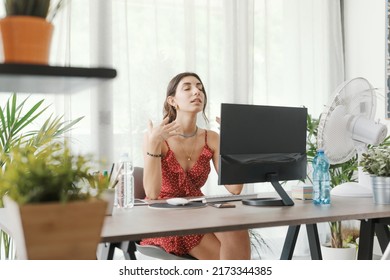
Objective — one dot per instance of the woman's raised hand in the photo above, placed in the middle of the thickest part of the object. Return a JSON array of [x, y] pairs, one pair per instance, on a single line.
[[163, 131], [218, 120]]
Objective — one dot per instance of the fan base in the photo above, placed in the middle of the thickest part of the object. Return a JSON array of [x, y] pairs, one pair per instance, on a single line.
[[352, 190]]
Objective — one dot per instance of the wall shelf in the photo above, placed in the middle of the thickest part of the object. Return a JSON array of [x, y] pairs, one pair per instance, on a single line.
[[30, 78]]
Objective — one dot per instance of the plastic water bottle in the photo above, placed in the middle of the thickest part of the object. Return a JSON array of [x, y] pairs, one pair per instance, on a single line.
[[125, 186], [321, 178]]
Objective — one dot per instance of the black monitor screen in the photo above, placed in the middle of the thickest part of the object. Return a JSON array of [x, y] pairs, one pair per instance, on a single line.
[[262, 143]]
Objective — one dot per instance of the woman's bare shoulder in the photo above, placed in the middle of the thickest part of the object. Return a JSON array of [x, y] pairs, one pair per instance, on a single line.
[[212, 134], [212, 139]]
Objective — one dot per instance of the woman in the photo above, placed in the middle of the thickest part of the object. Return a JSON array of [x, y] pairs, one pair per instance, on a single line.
[[177, 155]]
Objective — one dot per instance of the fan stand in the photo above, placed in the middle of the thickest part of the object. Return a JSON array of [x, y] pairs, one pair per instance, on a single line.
[[352, 189]]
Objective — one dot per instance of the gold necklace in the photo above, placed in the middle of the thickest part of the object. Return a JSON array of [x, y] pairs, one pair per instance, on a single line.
[[189, 156]]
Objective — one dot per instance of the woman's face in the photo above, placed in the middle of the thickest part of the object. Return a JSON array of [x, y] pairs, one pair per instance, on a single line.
[[189, 95]]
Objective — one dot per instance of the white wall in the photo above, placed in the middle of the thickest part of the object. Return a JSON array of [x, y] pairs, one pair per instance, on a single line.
[[365, 38]]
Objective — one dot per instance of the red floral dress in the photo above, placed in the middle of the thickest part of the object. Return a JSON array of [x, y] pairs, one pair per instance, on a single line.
[[176, 182]]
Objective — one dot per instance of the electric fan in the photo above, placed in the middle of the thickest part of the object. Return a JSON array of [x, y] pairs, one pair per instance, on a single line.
[[346, 127]]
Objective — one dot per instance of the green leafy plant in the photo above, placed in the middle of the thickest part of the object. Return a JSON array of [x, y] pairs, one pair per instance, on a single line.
[[376, 161], [49, 174], [8, 245], [350, 235], [16, 129], [46, 9], [16, 120]]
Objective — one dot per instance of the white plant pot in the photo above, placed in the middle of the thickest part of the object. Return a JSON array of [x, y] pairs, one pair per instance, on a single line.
[[329, 253]]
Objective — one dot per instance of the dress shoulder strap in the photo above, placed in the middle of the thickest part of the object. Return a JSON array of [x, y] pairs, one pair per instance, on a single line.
[[166, 142], [205, 136]]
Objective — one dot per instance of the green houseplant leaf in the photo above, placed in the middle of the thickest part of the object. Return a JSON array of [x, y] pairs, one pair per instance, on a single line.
[[50, 174], [376, 161], [16, 119]]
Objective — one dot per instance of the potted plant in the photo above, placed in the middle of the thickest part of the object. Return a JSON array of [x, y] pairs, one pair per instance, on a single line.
[[47, 192], [27, 30], [376, 162], [16, 128]]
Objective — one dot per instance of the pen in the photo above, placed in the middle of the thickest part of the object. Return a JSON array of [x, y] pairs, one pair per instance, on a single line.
[[115, 183], [118, 172], [112, 169]]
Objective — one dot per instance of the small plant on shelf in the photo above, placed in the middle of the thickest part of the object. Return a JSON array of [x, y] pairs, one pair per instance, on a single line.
[[27, 30], [46, 9]]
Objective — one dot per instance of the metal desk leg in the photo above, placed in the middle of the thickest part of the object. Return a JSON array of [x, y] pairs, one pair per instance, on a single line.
[[107, 251], [289, 243], [383, 234], [366, 239], [314, 242], [129, 249]]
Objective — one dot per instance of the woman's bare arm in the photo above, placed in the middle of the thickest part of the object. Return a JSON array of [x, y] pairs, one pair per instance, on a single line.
[[152, 150]]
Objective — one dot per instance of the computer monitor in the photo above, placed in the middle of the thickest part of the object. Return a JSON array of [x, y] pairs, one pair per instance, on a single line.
[[262, 144]]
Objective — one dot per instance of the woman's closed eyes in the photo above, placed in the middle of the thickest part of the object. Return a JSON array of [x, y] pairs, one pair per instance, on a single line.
[[187, 86]]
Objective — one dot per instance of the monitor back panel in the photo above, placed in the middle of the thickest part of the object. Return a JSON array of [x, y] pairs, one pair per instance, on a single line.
[[257, 140]]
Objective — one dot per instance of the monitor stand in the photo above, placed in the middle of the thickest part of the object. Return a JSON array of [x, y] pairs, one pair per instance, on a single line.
[[284, 201]]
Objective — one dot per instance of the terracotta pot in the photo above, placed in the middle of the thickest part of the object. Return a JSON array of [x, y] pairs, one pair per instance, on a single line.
[[26, 39], [56, 231]]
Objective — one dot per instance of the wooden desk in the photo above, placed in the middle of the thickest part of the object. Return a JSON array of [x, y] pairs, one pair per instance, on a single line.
[[142, 222]]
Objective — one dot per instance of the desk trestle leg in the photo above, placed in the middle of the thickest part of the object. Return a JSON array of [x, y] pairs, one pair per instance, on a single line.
[[291, 240]]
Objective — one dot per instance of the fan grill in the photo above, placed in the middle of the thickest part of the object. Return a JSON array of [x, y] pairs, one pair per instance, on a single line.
[[355, 97]]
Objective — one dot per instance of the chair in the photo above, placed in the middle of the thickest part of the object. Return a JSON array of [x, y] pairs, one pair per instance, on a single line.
[[129, 248]]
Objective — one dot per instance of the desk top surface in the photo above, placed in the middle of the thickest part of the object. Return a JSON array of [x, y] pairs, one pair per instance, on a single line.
[[142, 221]]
